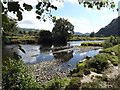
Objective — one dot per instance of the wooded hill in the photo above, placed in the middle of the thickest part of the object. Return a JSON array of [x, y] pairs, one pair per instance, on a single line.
[[112, 28]]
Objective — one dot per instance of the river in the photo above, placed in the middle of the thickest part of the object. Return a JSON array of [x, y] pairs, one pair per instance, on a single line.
[[35, 54]]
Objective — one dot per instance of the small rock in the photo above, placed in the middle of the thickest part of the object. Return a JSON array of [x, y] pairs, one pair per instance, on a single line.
[[86, 72], [80, 61], [112, 53], [37, 76], [69, 65], [87, 57]]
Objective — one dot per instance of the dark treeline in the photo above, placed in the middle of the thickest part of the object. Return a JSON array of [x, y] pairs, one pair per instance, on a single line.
[[61, 32]]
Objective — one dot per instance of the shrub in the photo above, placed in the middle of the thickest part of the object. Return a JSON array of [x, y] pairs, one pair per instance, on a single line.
[[74, 84], [81, 65], [99, 62], [114, 60], [56, 84], [75, 70], [111, 42], [80, 73], [16, 76], [114, 49], [95, 84]]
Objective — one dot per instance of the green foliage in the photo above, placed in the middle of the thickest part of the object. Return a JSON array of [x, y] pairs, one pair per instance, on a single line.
[[75, 70], [62, 30], [114, 60], [27, 7], [74, 84], [95, 84], [16, 76], [9, 25], [92, 34], [45, 36], [92, 44], [21, 39], [81, 38], [56, 84], [111, 42], [81, 65], [114, 49], [99, 62], [46, 6]]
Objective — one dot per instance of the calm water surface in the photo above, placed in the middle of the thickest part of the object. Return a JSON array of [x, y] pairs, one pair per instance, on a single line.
[[35, 54]]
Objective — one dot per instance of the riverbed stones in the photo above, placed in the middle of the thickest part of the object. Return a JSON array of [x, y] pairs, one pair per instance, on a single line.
[[48, 70]]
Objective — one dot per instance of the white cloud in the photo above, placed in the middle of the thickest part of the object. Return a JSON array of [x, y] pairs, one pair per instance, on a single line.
[[96, 10], [72, 1], [110, 16], [58, 3], [76, 20], [84, 28], [30, 21]]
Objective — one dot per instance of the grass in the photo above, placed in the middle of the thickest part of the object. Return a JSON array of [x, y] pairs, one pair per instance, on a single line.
[[22, 39], [91, 44], [115, 49], [78, 38], [99, 62]]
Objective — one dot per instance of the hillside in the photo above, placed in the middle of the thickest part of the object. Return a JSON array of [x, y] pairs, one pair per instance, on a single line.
[[111, 29], [78, 33], [28, 29]]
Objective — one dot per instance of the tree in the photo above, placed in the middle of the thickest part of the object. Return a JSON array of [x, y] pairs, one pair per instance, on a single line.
[[30, 32], [45, 6], [92, 34], [62, 30], [45, 36], [9, 25]]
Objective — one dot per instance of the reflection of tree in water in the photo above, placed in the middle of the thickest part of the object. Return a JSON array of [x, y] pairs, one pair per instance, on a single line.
[[63, 56], [45, 47]]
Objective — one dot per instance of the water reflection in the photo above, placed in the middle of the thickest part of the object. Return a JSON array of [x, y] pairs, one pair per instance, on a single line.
[[45, 48], [38, 53], [63, 56]]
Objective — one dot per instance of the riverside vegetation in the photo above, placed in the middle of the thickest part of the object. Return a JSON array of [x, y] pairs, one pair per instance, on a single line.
[[16, 75]]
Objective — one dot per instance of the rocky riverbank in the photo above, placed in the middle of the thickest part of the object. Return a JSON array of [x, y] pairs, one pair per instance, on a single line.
[[48, 70]]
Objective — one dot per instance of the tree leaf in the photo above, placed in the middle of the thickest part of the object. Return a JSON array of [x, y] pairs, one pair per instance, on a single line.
[[27, 7], [6, 40], [19, 15], [13, 6], [38, 17], [20, 47], [16, 56], [38, 5]]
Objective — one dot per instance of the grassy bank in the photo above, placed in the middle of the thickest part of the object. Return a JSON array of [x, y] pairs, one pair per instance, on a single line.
[[77, 38], [92, 44], [22, 39], [98, 64]]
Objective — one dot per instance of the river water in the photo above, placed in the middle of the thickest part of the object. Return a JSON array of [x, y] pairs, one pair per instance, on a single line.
[[35, 54]]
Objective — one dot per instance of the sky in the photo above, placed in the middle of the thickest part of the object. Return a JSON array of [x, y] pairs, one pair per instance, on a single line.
[[85, 20]]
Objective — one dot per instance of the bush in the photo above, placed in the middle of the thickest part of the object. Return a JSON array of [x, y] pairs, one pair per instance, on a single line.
[[114, 49], [111, 42], [16, 76], [74, 84], [81, 65], [99, 62], [95, 85], [114, 60], [56, 84], [75, 70]]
